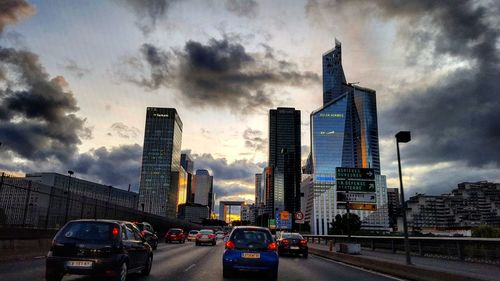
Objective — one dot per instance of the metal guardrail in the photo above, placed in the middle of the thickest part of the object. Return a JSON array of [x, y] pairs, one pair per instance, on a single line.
[[482, 250]]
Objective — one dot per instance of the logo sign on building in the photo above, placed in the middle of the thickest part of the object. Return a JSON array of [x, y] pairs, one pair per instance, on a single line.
[[355, 173], [355, 185], [356, 197], [299, 217], [363, 206]]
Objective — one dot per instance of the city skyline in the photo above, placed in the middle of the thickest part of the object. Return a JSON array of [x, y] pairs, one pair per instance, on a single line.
[[137, 58]]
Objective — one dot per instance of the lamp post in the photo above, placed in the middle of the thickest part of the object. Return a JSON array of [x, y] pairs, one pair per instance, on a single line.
[[404, 137], [70, 173]]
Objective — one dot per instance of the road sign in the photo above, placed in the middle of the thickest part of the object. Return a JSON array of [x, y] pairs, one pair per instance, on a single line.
[[356, 197], [283, 220], [284, 215], [355, 173], [299, 217], [355, 186], [272, 224]]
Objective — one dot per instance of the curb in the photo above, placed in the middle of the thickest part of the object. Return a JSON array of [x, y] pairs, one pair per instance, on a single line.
[[394, 269]]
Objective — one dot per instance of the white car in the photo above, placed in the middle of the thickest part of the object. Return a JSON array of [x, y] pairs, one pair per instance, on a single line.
[[192, 235], [220, 235]]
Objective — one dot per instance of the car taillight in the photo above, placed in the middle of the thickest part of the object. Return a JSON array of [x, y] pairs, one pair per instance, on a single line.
[[198, 236], [229, 245], [115, 231], [272, 246], [284, 241], [303, 242], [143, 233], [211, 236]]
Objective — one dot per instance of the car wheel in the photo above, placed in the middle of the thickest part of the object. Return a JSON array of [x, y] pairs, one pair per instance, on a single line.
[[305, 254], [197, 244], [147, 266], [227, 273], [213, 243], [53, 275], [121, 273]]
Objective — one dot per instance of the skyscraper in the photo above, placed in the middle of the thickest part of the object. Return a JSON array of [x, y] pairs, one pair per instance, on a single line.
[[284, 157], [204, 182], [188, 165], [158, 192], [333, 74]]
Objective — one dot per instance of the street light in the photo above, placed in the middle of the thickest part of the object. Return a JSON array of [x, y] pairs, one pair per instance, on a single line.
[[70, 173], [404, 137]]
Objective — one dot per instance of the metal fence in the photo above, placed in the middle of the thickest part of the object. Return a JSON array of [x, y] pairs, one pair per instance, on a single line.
[[28, 204], [482, 250]]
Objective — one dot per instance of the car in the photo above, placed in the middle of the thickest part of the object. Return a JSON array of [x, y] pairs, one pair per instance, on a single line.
[[99, 248], [250, 248], [192, 235], [206, 236], [175, 234], [148, 233], [292, 243], [220, 235]]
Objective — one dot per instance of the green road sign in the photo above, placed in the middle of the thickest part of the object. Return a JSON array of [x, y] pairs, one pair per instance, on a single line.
[[355, 186], [355, 173]]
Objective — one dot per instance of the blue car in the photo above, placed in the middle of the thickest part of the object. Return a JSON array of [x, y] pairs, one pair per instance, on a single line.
[[250, 248]]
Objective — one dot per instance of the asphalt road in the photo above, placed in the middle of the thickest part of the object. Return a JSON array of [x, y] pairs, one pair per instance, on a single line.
[[189, 262]]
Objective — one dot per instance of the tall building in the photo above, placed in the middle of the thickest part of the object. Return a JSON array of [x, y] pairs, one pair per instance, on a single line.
[[268, 177], [204, 183], [394, 206], [161, 158], [284, 157], [344, 133], [188, 165], [259, 196]]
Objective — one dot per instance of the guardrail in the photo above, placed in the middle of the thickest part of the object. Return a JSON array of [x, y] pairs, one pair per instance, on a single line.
[[482, 250]]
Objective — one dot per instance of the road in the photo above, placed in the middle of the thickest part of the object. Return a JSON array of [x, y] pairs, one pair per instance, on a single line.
[[204, 263]]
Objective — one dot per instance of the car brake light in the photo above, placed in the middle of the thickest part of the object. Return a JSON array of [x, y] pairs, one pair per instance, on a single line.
[[272, 246], [229, 245], [284, 241], [211, 236], [142, 233], [303, 242], [115, 231], [198, 236]]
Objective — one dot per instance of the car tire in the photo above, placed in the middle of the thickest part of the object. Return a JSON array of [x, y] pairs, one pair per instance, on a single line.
[[197, 244], [147, 266], [227, 273], [121, 272], [305, 254], [213, 243], [53, 275]]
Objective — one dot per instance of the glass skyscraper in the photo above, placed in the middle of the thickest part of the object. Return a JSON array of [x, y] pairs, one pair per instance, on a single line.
[[284, 158], [333, 74], [159, 187]]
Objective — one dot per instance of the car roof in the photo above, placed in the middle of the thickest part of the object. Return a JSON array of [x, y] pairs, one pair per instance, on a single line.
[[251, 227], [101, 220]]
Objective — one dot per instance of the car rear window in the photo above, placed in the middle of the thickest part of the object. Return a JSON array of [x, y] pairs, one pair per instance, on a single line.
[[251, 239], [193, 232], [140, 226], [206, 231], [87, 231], [292, 236], [174, 231]]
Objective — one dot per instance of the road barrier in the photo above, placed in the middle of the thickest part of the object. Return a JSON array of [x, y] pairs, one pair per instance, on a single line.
[[481, 250]]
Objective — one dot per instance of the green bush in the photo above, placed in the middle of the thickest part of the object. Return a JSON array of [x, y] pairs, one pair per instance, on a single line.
[[486, 231]]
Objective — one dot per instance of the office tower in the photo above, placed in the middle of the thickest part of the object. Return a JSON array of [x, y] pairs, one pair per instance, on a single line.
[[268, 176], [284, 157], [204, 188], [394, 206], [258, 189], [188, 164], [161, 158], [333, 74]]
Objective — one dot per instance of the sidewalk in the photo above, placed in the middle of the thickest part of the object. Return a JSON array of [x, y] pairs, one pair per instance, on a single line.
[[466, 269]]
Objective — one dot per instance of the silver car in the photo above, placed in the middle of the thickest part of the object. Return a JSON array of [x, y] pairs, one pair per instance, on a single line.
[[206, 236]]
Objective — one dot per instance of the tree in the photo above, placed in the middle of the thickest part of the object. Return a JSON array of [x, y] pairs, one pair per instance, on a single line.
[[341, 223], [486, 231]]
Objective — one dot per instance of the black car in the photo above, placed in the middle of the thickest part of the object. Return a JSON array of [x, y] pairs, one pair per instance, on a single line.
[[148, 233], [292, 243], [101, 248]]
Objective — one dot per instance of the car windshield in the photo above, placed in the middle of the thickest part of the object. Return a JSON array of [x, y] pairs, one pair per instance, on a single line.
[[86, 231], [206, 231], [292, 236], [251, 239]]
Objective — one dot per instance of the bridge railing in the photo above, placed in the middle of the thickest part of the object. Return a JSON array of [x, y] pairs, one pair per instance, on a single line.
[[482, 250]]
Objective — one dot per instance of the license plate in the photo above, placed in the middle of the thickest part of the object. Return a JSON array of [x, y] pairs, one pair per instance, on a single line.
[[294, 248], [251, 255], [79, 264]]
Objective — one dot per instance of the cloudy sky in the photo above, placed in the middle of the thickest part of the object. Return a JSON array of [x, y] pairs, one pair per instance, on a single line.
[[76, 78]]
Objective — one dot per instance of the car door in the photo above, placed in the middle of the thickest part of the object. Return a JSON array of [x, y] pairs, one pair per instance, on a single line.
[[130, 245], [141, 247]]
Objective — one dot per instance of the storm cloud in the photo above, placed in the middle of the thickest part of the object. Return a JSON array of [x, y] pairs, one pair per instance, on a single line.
[[148, 12], [255, 140], [219, 74], [12, 11], [242, 8]]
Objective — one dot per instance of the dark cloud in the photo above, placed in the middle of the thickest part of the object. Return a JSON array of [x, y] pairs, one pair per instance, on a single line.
[[118, 166], [254, 140], [454, 118], [242, 8], [220, 74], [241, 170], [11, 11], [123, 131], [72, 67], [222, 190], [148, 12], [37, 119]]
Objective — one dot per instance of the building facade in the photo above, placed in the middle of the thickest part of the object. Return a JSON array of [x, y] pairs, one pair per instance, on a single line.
[[230, 210], [204, 186], [188, 165], [192, 212], [158, 192], [394, 207], [284, 157]]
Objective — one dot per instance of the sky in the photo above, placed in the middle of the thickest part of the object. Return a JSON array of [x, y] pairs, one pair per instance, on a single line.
[[76, 78]]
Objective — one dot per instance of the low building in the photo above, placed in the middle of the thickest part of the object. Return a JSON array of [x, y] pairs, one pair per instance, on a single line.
[[193, 212]]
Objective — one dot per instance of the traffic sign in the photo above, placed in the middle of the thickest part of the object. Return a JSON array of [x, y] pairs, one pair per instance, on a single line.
[[355, 186], [299, 215], [355, 173], [356, 197], [284, 215]]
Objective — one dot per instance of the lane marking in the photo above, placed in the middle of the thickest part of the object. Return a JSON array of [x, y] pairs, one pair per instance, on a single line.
[[359, 268], [189, 267], [39, 257]]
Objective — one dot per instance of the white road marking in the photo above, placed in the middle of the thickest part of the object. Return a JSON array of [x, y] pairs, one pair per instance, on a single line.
[[189, 267], [359, 268], [39, 257]]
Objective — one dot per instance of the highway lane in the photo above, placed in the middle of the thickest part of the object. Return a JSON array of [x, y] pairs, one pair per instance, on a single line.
[[204, 263]]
